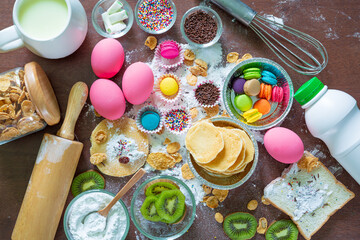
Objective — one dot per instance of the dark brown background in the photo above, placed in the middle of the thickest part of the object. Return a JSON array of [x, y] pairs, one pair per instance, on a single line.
[[335, 23]]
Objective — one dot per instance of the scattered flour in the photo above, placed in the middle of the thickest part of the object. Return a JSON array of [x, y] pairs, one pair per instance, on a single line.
[[355, 35], [331, 34]]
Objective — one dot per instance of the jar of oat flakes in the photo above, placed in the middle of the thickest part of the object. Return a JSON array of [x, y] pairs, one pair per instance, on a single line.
[[27, 102]]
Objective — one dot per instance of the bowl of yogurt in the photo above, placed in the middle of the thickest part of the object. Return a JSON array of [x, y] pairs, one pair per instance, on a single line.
[[81, 223]]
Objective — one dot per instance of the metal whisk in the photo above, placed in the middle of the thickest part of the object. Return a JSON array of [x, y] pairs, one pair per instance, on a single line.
[[263, 28]]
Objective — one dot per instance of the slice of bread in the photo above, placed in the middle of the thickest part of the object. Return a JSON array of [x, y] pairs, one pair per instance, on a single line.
[[309, 193]]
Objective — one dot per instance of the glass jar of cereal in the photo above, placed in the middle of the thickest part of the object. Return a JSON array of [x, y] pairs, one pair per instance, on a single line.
[[27, 102]]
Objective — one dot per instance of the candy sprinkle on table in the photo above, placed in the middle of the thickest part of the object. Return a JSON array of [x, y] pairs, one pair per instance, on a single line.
[[155, 15], [177, 120]]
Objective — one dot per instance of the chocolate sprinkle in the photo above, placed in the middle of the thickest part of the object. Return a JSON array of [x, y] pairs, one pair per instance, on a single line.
[[207, 94], [200, 27]]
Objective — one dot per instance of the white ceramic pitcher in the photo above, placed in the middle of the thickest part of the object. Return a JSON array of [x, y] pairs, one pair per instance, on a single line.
[[63, 44]]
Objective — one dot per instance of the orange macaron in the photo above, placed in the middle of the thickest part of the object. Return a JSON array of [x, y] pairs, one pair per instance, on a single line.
[[265, 91], [263, 106]]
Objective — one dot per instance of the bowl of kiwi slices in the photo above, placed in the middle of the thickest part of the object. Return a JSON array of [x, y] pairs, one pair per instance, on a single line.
[[163, 207]]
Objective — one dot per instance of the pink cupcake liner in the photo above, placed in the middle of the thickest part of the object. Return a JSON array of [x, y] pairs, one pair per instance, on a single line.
[[169, 63], [168, 99], [216, 102], [171, 126], [149, 108]]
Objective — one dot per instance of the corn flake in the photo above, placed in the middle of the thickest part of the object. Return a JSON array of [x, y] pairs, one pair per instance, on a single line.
[[98, 158], [212, 202], [191, 79], [5, 82], [9, 133], [220, 194], [173, 147], [189, 55], [166, 141], [232, 57], [186, 172], [261, 229], [201, 63], [160, 161], [151, 42], [177, 157], [100, 136], [207, 189], [219, 217], [194, 113], [252, 205]]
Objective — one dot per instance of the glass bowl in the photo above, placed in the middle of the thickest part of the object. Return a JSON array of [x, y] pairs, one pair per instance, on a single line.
[[278, 111], [69, 209], [139, 2], [214, 15], [101, 7], [159, 230], [220, 181]]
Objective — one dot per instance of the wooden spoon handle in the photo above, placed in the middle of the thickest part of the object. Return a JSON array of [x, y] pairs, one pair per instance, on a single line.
[[77, 99], [138, 175]]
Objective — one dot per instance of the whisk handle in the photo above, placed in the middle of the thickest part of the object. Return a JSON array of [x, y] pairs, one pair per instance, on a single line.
[[237, 9]]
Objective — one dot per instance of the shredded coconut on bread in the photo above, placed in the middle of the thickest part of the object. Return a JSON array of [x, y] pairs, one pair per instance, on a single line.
[[309, 193]]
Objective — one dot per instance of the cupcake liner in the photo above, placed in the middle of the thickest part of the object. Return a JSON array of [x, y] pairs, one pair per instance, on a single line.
[[149, 108], [169, 63], [185, 128], [168, 99], [216, 102]]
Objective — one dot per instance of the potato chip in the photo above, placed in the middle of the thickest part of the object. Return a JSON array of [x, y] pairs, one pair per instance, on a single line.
[[160, 161], [166, 141], [4, 116], [212, 202], [98, 158], [191, 79], [189, 55], [188, 63], [177, 157], [264, 201], [186, 172], [232, 57], [173, 147], [194, 113], [9, 133], [252, 205], [27, 108], [207, 189], [5, 82], [151, 42], [219, 217], [100, 136], [220, 194], [201, 63], [261, 229], [212, 111]]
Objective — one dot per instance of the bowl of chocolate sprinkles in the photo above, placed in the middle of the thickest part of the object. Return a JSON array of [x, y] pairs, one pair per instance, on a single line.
[[201, 26], [207, 94]]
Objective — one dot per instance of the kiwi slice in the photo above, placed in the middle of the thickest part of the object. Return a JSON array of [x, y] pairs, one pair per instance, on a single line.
[[87, 181], [282, 230], [157, 188], [171, 205], [148, 209], [240, 226]]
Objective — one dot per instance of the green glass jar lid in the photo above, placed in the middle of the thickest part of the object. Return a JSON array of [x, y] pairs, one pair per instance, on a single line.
[[308, 90]]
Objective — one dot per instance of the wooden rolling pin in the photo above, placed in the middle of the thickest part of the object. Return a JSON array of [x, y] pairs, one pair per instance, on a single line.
[[51, 178]]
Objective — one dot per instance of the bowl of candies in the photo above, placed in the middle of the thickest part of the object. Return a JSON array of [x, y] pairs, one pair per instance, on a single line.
[[259, 93]]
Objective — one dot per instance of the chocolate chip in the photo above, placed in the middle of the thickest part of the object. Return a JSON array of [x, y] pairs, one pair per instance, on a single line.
[[124, 160], [207, 94], [200, 27]]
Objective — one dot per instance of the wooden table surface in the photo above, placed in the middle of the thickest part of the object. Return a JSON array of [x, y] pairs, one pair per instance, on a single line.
[[335, 23]]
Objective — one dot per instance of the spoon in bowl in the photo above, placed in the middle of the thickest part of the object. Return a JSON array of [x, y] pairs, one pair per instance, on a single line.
[[90, 218]]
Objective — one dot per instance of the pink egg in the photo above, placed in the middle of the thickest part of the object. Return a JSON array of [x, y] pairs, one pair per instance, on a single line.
[[284, 145], [107, 58], [137, 83], [107, 99]]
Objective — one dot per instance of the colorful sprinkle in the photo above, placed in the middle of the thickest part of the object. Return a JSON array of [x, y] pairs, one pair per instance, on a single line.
[[122, 148], [155, 15], [177, 120]]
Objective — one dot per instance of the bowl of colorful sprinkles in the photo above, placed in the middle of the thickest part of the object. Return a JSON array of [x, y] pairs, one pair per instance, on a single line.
[[155, 16], [259, 93], [177, 121]]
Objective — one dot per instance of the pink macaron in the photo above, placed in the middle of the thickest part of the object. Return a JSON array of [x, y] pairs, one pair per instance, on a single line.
[[277, 94], [169, 49]]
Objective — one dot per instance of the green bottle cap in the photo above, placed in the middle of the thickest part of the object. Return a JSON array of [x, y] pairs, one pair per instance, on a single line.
[[308, 91]]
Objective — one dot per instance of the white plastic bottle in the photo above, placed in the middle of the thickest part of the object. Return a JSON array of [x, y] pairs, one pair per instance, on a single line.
[[334, 117]]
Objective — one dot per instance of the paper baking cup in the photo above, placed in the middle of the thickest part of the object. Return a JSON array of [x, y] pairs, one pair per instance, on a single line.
[[216, 102], [169, 63], [168, 99], [149, 108], [185, 129]]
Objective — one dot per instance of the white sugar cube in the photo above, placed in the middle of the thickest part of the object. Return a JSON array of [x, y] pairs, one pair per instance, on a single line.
[[117, 17], [118, 27], [115, 7]]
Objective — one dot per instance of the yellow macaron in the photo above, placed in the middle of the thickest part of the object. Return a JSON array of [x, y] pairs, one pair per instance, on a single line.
[[169, 86]]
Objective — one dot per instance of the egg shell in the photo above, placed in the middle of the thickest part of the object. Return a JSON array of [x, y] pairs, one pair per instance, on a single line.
[[284, 145], [107, 99], [107, 58], [137, 83]]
